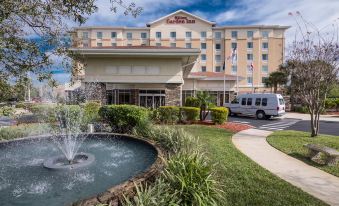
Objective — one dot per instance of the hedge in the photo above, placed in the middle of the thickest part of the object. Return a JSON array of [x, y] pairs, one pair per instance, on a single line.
[[91, 112], [219, 115], [192, 102], [123, 118], [44, 112], [168, 114], [189, 113]]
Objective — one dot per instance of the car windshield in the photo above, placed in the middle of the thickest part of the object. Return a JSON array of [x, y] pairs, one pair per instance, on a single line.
[[281, 101]]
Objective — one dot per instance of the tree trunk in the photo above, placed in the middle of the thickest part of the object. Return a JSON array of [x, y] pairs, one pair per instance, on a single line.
[[314, 123]]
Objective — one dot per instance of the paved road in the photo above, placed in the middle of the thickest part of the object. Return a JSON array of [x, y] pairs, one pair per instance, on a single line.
[[326, 127]]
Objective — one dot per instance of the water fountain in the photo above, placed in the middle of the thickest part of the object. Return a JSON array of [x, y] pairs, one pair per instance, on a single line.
[[69, 165]]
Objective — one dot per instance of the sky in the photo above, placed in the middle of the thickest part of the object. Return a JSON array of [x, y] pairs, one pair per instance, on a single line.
[[224, 12]]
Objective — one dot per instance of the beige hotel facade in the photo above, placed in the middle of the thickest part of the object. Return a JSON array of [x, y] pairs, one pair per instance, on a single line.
[[173, 57]]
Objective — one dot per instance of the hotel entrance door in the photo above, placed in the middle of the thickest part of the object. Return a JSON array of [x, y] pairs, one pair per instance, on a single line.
[[151, 98]]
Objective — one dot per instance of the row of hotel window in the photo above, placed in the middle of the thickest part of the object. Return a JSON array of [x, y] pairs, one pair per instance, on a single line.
[[173, 34], [264, 57], [264, 69], [203, 46]]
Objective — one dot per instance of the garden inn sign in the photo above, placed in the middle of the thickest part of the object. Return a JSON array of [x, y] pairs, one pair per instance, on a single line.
[[180, 20]]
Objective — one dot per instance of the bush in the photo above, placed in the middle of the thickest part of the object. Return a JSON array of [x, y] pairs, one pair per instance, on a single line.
[[330, 103], [44, 112], [301, 109], [192, 102], [168, 114], [24, 130], [124, 118], [189, 113], [219, 115], [91, 112], [6, 111], [21, 105]]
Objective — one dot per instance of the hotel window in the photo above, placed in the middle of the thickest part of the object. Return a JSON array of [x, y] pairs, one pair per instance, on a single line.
[[158, 35], [203, 45], [129, 36], [264, 57], [265, 45], [264, 34], [173, 34], [99, 35], [217, 46], [158, 44], [249, 34], [173, 45], [234, 45], [217, 35], [114, 44], [113, 35], [234, 34], [188, 45], [203, 68], [264, 69], [263, 79], [218, 58], [84, 35], [203, 57], [124, 96], [249, 80], [99, 44], [203, 34], [188, 34], [234, 69], [249, 45], [218, 69], [250, 57], [143, 35], [85, 45]]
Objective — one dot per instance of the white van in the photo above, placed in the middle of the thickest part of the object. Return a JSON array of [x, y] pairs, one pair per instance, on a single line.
[[260, 105]]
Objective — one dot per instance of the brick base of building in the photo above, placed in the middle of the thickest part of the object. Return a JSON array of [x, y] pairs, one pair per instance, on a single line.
[[95, 92], [173, 94]]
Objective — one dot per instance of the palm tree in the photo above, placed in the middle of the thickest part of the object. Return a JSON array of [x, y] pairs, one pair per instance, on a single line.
[[206, 101], [275, 80]]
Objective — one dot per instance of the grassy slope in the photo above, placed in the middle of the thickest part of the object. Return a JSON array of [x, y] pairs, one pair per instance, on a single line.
[[291, 143], [245, 182]]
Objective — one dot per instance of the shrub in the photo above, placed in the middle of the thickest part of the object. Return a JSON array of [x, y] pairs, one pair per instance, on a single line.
[[192, 102], [189, 113], [219, 115], [6, 111], [44, 112], [91, 112], [168, 114], [21, 105], [124, 118], [24, 130], [330, 103]]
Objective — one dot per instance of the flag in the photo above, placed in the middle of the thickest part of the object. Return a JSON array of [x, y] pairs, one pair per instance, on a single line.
[[252, 67]]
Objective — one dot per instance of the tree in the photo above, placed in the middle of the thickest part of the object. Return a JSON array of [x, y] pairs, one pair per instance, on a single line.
[[275, 80], [47, 20], [5, 90], [205, 102], [313, 67]]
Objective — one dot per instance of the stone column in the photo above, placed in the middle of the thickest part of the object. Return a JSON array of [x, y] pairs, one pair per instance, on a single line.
[[135, 96], [95, 91], [172, 94]]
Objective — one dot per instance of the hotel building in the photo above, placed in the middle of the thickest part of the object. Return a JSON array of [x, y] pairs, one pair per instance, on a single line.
[[174, 57]]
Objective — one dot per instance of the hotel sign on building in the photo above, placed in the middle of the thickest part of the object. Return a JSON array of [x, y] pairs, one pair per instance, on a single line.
[[173, 57]]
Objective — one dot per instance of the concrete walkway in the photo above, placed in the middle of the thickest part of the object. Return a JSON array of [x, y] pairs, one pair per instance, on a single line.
[[294, 115], [252, 142]]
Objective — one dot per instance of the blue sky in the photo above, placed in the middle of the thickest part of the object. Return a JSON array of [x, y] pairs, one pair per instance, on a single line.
[[223, 12]]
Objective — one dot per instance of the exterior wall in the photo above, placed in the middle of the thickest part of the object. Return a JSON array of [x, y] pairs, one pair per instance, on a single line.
[[136, 70], [173, 95], [95, 92]]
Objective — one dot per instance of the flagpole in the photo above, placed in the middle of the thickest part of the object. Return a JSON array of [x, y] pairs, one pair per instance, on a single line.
[[236, 55], [252, 78], [224, 99]]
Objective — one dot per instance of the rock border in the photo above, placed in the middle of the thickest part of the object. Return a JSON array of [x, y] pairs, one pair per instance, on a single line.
[[115, 195]]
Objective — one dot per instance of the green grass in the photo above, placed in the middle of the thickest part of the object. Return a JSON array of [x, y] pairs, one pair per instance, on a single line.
[[244, 181], [291, 143]]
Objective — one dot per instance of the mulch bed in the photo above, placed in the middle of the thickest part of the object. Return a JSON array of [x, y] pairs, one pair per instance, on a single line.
[[230, 126]]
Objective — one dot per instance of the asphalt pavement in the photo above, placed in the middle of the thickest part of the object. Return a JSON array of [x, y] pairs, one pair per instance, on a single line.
[[281, 123]]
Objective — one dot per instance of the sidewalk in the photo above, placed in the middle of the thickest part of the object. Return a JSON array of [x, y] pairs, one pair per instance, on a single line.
[[252, 142], [294, 115]]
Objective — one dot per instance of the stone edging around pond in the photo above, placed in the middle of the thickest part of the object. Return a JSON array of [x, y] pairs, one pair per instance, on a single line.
[[116, 194]]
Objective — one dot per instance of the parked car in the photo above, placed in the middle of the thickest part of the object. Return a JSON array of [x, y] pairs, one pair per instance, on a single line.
[[260, 105]]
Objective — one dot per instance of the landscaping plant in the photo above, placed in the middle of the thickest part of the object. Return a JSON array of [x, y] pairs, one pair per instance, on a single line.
[[219, 115], [189, 114], [168, 114]]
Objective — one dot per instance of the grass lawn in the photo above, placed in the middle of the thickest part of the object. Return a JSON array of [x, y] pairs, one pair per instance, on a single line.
[[291, 143], [245, 182]]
